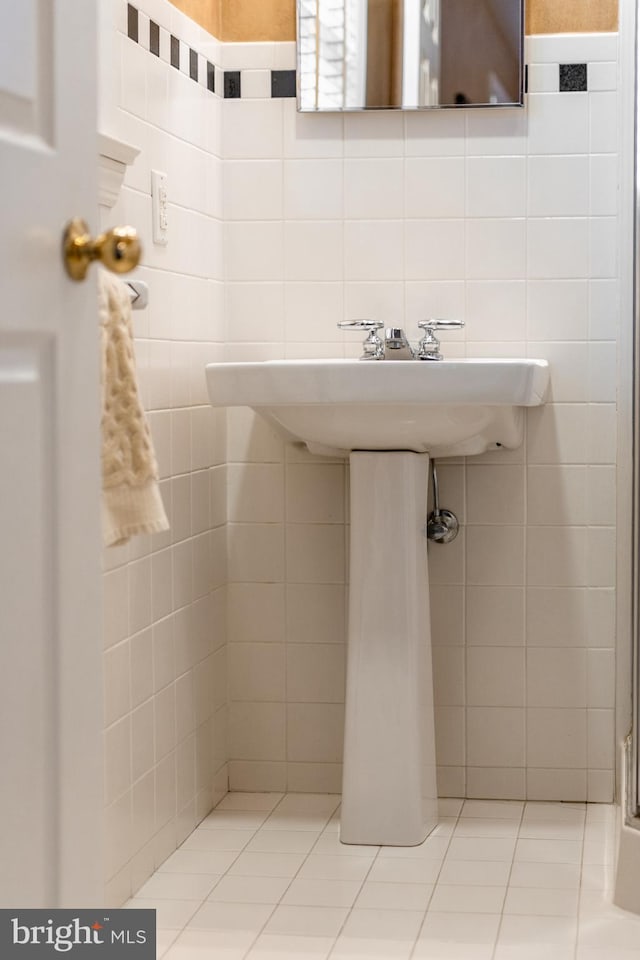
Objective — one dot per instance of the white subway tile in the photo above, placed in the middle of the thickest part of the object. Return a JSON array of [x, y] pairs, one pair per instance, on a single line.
[[495, 738], [494, 616], [557, 556], [313, 250], [496, 132], [252, 130], [434, 187], [256, 84], [495, 249], [603, 75], [495, 676], [498, 560], [558, 123], [556, 738], [434, 249], [558, 186], [257, 731], [603, 114], [435, 134], [253, 190], [257, 671], [543, 78], [373, 250], [604, 185], [558, 248], [374, 189], [496, 187], [313, 189], [603, 242], [556, 677], [374, 134]]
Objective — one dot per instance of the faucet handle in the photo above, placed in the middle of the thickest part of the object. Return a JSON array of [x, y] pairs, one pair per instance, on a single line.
[[440, 324], [360, 324], [373, 347], [429, 346]]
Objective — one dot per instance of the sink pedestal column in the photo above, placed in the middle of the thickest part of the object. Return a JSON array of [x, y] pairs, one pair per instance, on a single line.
[[389, 793]]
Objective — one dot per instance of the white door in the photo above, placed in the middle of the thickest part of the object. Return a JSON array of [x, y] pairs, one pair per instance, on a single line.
[[50, 662]]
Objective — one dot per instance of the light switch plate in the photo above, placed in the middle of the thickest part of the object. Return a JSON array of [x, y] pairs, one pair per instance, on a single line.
[[159, 206]]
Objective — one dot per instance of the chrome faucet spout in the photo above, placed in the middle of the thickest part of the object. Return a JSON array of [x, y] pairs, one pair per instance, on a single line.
[[397, 347]]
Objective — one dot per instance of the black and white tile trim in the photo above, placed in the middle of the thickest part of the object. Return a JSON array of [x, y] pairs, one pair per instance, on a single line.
[[195, 65]]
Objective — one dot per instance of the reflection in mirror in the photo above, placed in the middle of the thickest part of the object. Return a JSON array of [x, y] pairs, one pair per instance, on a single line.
[[411, 54]]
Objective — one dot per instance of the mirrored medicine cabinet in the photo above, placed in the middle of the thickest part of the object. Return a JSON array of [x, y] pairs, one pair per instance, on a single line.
[[409, 54]]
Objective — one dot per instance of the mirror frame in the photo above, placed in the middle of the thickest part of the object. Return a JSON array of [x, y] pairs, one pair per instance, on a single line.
[[516, 104]]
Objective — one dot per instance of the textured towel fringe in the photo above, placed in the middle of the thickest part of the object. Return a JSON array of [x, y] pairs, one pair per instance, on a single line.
[[131, 502]]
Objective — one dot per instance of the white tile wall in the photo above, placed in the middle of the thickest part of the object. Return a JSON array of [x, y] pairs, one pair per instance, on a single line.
[[165, 662], [506, 219]]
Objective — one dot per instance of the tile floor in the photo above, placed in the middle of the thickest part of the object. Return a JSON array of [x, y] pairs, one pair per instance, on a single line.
[[265, 877]]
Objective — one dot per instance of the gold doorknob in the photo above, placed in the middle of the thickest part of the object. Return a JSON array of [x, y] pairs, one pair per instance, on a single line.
[[118, 249]]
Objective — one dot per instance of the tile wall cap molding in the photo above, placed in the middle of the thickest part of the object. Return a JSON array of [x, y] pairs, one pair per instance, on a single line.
[[114, 156]]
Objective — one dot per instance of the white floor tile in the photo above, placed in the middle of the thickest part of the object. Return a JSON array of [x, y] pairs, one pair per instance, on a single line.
[[475, 872], [178, 886], [266, 865], [425, 950], [465, 928], [361, 948], [164, 939], [270, 946], [250, 889], [606, 953], [307, 921], [433, 848], [207, 839], [551, 830], [234, 819], [527, 951], [475, 848], [493, 809], [170, 914], [296, 820], [329, 843], [221, 944], [383, 924], [395, 870], [265, 877], [449, 807], [597, 876], [467, 899], [322, 893], [250, 801], [549, 851], [444, 827], [556, 875], [319, 867], [198, 861], [539, 810], [542, 902], [394, 896], [309, 803], [282, 841], [538, 930], [477, 827], [231, 916]]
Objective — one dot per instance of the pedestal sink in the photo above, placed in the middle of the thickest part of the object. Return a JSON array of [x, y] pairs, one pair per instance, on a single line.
[[388, 418]]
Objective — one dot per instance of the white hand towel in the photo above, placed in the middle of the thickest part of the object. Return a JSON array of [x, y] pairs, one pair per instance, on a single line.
[[131, 501]]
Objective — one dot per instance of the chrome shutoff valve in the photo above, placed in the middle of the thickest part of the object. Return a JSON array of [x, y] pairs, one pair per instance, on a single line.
[[429, 346]]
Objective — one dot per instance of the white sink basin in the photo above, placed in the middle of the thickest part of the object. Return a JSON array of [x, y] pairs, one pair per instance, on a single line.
[[447, 408]]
